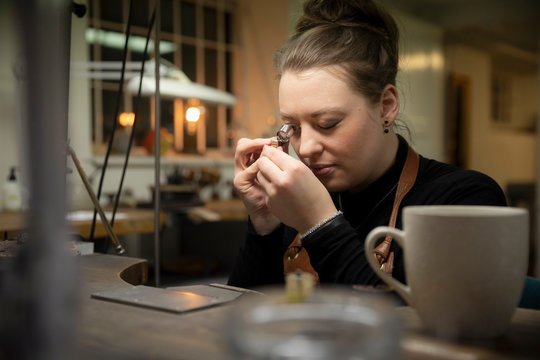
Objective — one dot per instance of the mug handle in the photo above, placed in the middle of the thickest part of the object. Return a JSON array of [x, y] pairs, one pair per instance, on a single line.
[[398, 235]]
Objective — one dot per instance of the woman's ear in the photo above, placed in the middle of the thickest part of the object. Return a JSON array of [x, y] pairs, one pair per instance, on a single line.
[[389, 103]]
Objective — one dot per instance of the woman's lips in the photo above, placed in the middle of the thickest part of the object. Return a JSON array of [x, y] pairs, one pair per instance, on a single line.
[[321, 170]]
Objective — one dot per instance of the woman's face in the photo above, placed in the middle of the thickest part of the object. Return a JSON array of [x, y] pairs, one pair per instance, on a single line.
[[340, 133]]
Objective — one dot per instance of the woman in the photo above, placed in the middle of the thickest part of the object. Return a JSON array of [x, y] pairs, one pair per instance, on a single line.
[[337, 90]]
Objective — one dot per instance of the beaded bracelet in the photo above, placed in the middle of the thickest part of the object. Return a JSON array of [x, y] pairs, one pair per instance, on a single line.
[[319, 224]]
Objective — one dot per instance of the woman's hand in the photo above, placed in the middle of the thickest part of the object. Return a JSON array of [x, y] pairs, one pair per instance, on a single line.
[[247, 186], [293, 193]]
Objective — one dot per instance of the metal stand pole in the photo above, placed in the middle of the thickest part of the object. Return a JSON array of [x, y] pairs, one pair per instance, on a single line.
[[157, 148]]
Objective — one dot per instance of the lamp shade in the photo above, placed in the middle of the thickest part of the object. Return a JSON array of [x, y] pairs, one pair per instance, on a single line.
[[173, 83]]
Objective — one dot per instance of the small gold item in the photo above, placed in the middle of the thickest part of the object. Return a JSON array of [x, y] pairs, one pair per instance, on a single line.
[[293, 252], [293, 258]]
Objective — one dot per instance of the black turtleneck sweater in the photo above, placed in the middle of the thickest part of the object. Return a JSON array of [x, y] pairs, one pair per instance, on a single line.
[[337, 251]]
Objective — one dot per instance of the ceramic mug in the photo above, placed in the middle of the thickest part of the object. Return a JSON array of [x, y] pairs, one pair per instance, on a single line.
[[465, 266]]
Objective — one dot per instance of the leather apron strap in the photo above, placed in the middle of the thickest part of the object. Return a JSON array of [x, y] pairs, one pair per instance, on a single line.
[[406, 182]]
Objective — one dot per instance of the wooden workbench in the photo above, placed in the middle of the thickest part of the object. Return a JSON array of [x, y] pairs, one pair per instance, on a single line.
[[127, 221], [219, 210], [110, 330]]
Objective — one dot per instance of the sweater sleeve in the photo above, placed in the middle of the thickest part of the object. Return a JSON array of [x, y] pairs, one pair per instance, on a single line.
[[337, 254], [476, 189], [259, 260]]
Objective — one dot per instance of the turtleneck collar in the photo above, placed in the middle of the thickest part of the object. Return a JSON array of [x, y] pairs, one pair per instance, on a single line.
[[362, 202]]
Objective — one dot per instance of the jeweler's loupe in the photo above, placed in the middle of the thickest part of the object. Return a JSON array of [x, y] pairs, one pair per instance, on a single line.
[[283, 135]]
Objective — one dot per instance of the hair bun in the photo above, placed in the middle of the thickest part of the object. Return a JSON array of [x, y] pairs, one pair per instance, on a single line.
[[357, 36], [350, 13]]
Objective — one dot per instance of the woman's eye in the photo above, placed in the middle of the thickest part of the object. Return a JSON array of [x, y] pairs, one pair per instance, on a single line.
[[328, 125]]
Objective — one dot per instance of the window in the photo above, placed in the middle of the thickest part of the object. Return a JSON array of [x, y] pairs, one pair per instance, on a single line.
[[199, 39]]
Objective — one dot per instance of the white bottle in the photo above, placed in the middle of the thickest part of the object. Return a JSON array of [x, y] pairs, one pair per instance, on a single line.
[[12, 193]]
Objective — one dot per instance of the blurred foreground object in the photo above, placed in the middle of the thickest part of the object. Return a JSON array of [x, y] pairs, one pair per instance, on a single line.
[[39, 290], [330, 323]]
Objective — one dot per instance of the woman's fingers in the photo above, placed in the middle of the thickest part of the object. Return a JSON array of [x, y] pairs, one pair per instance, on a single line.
[[278, 167], [292, 189], [279, 174], [264, 181], [279, 157], [270, 170], [248, 151], [245, 179]]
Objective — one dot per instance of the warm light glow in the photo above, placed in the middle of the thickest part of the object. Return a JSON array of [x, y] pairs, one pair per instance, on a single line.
[[186, 293], [126, 119], [190, 299], [193, 114]]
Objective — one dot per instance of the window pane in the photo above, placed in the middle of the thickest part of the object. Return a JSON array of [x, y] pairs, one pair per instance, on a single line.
[[169, 57], [142, 111], [90, 8], [210, 67], [228, 71], [187, 19], [138, 56], [211, 126], [91, 52], [229, 28], [166, 15], [139, 13], [111, 10], [187, 55], [188, 61], [167, 114], [190, 141], [210, 24], [111, 54], [109, 109]]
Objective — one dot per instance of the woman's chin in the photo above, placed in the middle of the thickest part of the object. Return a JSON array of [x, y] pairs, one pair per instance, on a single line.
[[332, 185]]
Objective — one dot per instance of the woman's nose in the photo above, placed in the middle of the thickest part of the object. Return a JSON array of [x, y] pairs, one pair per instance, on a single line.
[[310, 144]]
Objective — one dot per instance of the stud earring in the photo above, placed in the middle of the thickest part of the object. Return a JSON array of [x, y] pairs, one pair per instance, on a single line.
[[385, 127]]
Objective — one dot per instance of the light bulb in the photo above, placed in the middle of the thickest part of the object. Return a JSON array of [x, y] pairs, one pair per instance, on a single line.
[[126, 119], [193, 114]]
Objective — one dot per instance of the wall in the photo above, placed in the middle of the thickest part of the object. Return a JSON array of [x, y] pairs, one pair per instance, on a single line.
[[505, 154], [263, 30], [9, 144], [524, 90], [79, 117], [421, 84]]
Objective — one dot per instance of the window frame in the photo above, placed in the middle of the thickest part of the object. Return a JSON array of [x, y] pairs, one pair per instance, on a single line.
[[223, 46]]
